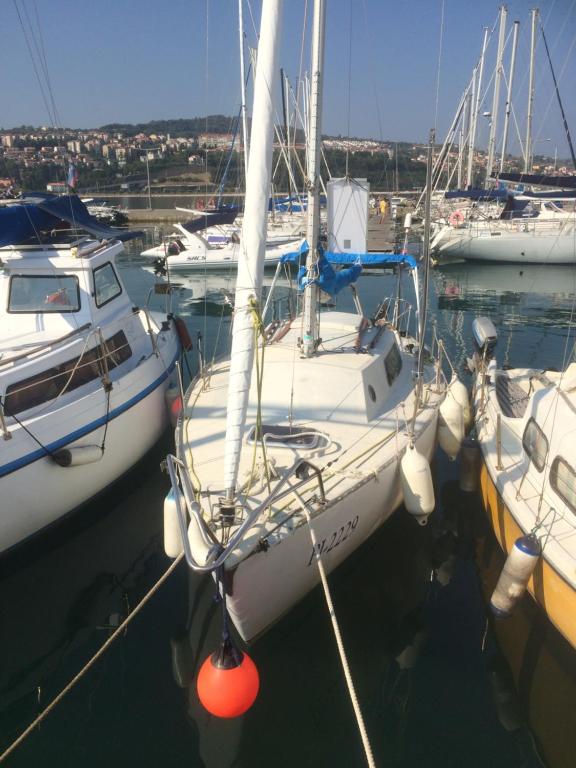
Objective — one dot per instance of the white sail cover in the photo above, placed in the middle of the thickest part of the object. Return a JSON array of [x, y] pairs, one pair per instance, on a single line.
[[253, 241]]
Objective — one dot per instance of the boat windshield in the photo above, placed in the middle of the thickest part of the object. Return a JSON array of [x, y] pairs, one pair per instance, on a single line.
[[44, 293]]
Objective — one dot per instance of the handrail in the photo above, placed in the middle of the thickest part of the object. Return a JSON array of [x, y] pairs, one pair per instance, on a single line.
[[177, 470]]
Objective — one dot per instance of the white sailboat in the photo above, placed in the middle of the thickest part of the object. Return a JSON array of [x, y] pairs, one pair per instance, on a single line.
[[304, 460]]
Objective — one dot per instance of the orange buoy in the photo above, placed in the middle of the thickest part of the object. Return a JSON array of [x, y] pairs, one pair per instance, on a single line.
[[228, 682], [183, 334]]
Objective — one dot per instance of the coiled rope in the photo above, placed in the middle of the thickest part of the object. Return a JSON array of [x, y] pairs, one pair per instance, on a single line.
[[118, 631]]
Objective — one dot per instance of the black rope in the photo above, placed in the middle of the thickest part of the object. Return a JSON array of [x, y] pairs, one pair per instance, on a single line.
[[184, 357], [25, 428], [107, 389]]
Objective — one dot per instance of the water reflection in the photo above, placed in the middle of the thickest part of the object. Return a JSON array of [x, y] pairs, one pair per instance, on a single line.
[[532, 667], [536, 293], [388, 597]]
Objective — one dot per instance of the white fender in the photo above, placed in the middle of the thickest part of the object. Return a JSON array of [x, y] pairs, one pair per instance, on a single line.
[[450, 426], [199, 543], [417, 486], [458, 391], [513, 581], [80, 454], [172, 537]]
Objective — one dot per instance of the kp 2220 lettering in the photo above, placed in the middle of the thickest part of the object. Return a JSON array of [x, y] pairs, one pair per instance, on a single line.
[[334, 540]]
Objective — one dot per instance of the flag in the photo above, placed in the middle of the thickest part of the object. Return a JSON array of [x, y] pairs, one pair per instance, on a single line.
[[72, 176]]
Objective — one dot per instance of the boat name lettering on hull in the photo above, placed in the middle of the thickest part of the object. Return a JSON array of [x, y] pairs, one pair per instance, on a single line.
[[337, 537]]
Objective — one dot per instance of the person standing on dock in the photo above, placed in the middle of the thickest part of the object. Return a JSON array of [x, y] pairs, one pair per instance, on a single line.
[[382, 209]]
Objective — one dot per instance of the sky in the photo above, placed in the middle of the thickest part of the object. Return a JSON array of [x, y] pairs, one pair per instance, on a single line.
[[139, 60]]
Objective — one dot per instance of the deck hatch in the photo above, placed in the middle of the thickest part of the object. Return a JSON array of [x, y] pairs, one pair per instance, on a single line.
[[286, 436]]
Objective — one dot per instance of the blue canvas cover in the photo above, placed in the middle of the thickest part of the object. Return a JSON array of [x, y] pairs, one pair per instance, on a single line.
[[328, 279], [364, 259], [40, 212]]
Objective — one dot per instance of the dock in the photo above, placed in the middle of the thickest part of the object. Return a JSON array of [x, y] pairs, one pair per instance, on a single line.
[[380, 229]]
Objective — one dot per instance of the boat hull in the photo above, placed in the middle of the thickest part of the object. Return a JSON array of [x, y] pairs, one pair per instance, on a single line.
[[553, 594], [267, 584], [542, 667], [519, 248], [36, 491]]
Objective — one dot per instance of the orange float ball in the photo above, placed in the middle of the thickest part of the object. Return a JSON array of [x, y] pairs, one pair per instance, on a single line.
[[228, 692], [176, 406]]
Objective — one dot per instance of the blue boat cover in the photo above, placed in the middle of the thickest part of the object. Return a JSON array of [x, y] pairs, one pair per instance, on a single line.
[[364, 259], [477, 194], [328, 279], [22, 222], [215, 218], [562, 182]]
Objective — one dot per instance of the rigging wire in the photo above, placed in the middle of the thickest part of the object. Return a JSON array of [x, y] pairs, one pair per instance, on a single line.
[[348, 95], [51, 116], [438, 67]]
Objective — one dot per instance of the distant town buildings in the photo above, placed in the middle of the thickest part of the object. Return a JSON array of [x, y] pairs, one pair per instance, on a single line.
[[96, 149]]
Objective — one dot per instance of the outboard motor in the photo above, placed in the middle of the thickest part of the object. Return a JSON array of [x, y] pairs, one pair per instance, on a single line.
[[485, 337]]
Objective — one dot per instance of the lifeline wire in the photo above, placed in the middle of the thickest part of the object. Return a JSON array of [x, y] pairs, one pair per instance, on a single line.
[[118, 631]]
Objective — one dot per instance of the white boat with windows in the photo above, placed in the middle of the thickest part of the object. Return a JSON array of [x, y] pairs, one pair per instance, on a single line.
[[83, 372], [304, 461], [526, 428], [526, 231], [195, 248]]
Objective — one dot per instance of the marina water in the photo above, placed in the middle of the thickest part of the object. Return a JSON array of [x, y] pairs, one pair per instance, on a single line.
[[432, 675]]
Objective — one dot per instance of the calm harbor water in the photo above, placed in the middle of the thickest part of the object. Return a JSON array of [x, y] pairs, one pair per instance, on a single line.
[[433, 677]]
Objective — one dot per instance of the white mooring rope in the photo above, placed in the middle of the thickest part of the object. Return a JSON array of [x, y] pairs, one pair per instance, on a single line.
[[338, 637]]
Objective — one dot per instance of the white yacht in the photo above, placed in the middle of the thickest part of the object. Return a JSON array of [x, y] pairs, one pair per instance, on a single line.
[[540, 233], [83, 372], [192, 251]]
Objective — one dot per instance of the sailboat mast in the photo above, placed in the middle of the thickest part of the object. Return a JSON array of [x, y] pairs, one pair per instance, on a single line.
[[243, 87], [509, 94], [477, 88], [528, 144], [496, 97], [464, 122], [471, 132], [253, 242], [310, 334]]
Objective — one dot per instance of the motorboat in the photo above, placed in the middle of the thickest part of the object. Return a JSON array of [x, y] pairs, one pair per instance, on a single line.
[[194, 252], [210, 241], [526, 424], [83, 372], [105, 212]]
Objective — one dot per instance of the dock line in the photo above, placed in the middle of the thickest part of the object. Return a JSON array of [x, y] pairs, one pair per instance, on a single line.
[[118, 631]]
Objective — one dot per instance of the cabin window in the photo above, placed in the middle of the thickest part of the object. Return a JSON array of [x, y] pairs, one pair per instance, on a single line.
[[563, 481], [535, 444], [43, 294], [287, 437], [393, 364], [106, 284], [67, 376]]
